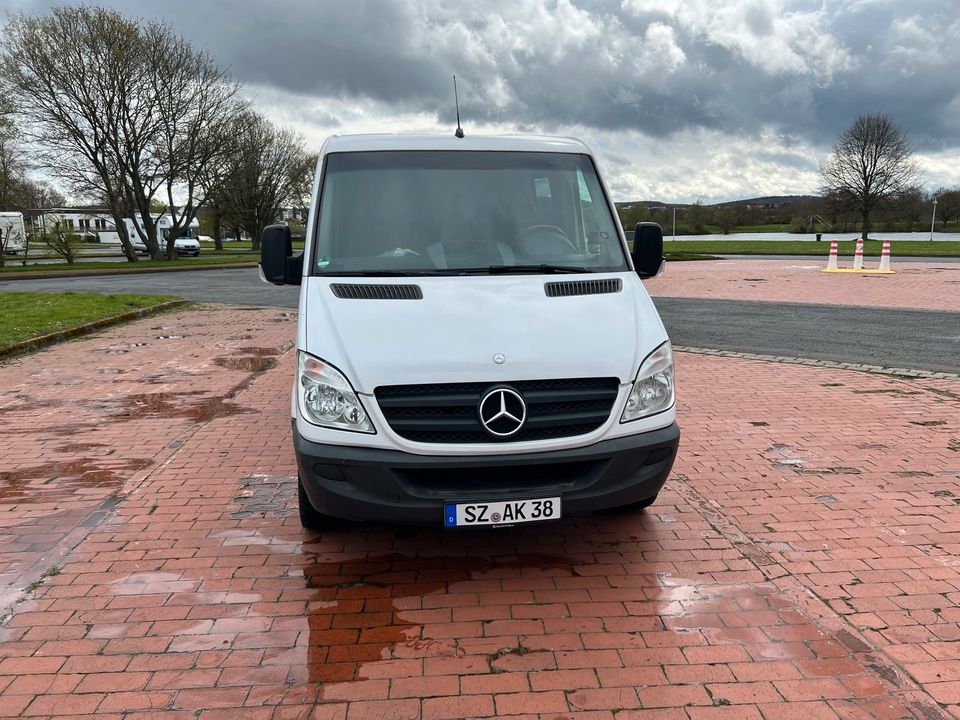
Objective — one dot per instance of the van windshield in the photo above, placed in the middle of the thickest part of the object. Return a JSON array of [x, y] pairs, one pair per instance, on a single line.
[[452, 212]]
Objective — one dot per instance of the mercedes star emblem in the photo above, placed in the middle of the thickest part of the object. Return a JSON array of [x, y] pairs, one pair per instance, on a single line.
[[499, 358], [502, 412]]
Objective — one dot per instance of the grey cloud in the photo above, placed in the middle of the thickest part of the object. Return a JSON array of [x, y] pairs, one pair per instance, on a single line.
[[658, 69]]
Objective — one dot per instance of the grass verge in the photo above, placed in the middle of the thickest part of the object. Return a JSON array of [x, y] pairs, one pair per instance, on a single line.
[[28, 315], [788, 247], [684, 256], [121, 267]]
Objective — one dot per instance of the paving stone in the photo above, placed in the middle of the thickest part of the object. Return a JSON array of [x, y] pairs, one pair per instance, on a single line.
[[195, 592]]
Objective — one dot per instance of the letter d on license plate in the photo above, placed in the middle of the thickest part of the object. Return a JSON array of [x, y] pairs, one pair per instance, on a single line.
[[507, 512]]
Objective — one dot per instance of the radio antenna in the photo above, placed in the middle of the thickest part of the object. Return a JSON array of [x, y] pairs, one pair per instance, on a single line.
[[456, 99]]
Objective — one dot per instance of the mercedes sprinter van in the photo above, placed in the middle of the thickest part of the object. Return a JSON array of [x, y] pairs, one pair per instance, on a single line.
[[474, 344]]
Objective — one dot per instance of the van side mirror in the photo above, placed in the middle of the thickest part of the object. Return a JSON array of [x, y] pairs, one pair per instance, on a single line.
[[647, 249], [278, 264]]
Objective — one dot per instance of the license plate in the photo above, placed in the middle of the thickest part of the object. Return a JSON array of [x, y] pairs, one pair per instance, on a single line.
[[507, 512]]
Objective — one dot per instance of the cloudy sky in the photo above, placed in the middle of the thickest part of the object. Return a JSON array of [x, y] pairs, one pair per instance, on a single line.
[[681, 99]]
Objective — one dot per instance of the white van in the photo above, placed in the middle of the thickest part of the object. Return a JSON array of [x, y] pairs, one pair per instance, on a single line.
[[474, 344]]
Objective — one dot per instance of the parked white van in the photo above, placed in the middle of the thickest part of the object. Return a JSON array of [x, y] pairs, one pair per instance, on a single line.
[[474, 344]]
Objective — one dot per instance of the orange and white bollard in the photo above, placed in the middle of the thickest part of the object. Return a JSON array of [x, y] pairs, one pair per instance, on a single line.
[[858, 255], [834, 253], [885, 257]]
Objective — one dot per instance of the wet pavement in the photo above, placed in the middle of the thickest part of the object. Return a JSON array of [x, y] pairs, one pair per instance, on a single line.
[[803, 561]]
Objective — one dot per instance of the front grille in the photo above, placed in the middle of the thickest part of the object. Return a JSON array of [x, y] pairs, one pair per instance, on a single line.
[[569, 288], [364, 291], [448, 412]]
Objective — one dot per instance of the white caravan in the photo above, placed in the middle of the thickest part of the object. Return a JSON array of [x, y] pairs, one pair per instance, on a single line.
[[12, 233], [185, 244], [474, 343]]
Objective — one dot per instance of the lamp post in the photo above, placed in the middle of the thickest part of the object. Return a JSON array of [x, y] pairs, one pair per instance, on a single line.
[[933, 219]]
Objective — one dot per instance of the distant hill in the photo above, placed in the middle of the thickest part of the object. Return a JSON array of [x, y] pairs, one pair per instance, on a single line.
[[768, 201]]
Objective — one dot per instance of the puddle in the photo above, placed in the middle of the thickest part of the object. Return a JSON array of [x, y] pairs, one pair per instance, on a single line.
[[25, 404], [56, 480], [120, 349], [179, 404], [79, 447], [357, 616], [833, 470], [249, 363], [253, 359]]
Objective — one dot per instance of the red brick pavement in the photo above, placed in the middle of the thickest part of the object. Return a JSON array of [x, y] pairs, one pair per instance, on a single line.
[[803, 562], [933, 285]]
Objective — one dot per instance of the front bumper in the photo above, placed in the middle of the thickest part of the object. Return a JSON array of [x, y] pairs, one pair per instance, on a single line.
[[394, 486]]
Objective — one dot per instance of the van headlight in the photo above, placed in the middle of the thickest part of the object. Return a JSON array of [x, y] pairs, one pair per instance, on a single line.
[[326, 398], [652, 391]]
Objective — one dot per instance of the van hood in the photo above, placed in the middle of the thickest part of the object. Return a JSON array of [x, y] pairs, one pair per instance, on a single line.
[[455, 331]]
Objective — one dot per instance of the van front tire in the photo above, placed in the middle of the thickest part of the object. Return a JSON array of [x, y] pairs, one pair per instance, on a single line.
[[309, 517]]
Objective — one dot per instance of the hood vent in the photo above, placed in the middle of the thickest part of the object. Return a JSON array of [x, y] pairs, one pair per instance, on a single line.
[[583, 287], [376, 292]]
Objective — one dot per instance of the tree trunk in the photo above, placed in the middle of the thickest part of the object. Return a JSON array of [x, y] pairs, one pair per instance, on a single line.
[[866, 224], [217, 230]]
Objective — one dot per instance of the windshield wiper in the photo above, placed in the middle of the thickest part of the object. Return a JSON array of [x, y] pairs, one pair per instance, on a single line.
[[508, 269], [375, 273]]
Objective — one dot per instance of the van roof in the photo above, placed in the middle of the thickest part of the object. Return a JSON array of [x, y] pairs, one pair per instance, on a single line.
[[516, 143]]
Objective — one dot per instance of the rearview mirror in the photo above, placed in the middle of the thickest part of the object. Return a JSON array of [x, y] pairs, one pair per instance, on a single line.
[[647, 249], [278, 264]]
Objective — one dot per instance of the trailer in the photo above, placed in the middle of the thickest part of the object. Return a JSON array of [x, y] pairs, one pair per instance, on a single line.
[[186, 242], [12, 233]]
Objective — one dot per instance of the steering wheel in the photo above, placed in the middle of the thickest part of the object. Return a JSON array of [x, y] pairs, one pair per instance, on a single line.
[[557, 237]]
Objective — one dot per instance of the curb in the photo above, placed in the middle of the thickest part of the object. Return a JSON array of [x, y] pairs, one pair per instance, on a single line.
[[36, 343], [860, 367], [46, 275]]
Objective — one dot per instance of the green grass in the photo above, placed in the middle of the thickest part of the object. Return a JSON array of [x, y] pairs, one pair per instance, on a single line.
[[242, 246], [687, 256], [721, 246], [26, 315], [124, 266]]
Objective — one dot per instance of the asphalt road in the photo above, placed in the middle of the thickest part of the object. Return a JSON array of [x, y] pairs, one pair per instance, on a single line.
[[917, 339]]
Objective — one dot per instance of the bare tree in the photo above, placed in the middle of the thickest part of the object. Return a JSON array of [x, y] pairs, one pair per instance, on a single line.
[[909, 207], [871, 164], [196, 107], [266, 175], [11, 157], [124, 109], [948, 204], [216, 179], [63, 241], [71, 70]]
